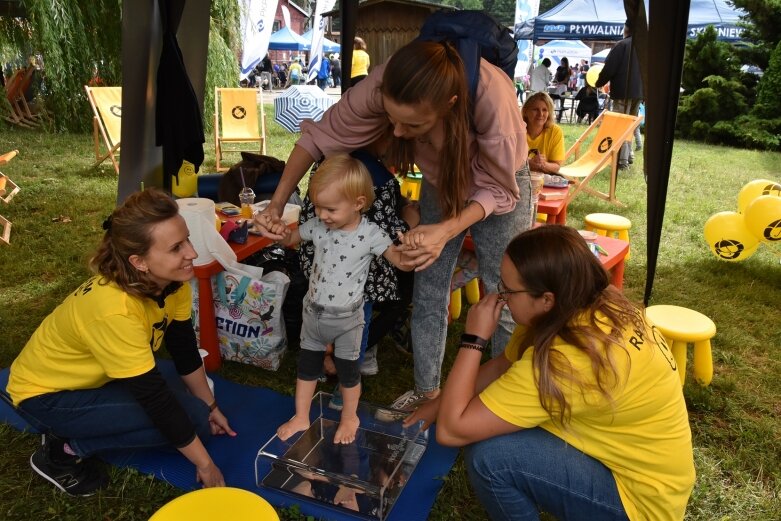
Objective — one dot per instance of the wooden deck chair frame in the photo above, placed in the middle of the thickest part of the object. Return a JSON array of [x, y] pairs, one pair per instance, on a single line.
[[598, 160], [220, 140], [112, 140], [8, 189], [19, 110]]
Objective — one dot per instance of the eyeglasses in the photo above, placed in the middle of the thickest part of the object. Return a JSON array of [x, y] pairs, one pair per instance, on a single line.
[[503, 291]]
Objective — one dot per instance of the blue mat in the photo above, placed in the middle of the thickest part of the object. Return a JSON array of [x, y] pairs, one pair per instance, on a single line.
[[255, 414]]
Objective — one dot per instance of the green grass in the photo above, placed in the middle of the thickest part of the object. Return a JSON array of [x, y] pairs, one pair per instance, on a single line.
[[735, 422]]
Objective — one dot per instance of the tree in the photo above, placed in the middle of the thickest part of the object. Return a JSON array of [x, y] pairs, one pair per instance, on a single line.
[[502, 10], [705, 56], [77, 40], [764, 17], [768, 105]]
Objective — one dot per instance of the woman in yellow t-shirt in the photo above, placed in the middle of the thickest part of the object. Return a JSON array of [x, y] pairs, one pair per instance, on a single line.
[[545, 138], [360, 63], [87, 378], [583, 416]]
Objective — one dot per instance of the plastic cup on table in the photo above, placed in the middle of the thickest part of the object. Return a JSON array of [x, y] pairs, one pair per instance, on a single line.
[[247, 198], [538, 180]]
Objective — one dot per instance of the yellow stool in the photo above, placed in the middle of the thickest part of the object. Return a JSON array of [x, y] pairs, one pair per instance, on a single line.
[[472, 290], [608, 223], [681, 326], [216, 504]]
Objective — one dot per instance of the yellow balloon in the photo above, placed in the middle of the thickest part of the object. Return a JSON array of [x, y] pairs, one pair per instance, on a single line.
[[729, 238], [593, 74], [187, 184], [763, 218], [754, 189]]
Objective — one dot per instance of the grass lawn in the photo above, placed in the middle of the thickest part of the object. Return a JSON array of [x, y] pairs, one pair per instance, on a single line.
[[735, 422]]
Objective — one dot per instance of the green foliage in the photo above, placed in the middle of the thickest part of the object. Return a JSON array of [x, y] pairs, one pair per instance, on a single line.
[[745, 131], [706, 56], [768, 103], [720, 100], [765, 19], [221, 71], [502, 10]]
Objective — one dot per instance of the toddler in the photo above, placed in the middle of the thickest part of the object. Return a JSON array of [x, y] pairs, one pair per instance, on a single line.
[[345, 243]]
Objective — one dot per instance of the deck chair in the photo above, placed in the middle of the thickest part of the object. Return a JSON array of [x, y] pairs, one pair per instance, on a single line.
[[611, 130], [106, 103], [236, 121], [19, 111], [7, 191]]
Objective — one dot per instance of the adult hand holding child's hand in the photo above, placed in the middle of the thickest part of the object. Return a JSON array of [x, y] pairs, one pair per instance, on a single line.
[[268, 222]]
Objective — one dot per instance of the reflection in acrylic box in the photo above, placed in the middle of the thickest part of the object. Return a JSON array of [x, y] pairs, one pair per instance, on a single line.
[[365, 477]]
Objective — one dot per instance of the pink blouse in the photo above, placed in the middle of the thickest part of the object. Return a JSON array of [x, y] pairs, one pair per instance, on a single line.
[[497, 141]]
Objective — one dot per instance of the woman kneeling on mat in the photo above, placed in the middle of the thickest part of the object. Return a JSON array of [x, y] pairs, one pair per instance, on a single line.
[[583, 415], [87, 378]]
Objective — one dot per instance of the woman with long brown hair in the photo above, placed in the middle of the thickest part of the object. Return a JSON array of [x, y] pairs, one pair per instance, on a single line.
[[88, 380], [583, 416], [472, 153]]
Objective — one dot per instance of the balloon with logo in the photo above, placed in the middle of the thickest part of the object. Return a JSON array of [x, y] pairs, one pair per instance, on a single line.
[[729, 238], [754, 189], [763, 218], [593, 74]]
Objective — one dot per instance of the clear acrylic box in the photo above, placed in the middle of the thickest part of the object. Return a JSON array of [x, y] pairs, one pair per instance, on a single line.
[[364, 478]]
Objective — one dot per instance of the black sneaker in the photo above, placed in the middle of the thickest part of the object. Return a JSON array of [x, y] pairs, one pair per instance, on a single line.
[[71, 474]]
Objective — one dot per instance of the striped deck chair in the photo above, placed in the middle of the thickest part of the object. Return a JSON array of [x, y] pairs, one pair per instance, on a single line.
[[106, 103], [610, 130], [236, 121]]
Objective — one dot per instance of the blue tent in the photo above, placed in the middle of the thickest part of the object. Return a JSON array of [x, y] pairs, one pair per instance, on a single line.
[[328, 45], [604, 20], [287, 40]]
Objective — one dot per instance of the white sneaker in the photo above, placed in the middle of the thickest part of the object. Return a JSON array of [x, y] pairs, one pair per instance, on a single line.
[[401, 407], [369, 366]]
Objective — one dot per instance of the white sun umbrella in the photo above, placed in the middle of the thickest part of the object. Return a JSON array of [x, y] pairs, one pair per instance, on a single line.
[[300, 102]]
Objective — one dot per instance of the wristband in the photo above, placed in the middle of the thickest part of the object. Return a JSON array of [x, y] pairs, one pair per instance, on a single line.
[[476, 347], [213, 405], [474, 339]]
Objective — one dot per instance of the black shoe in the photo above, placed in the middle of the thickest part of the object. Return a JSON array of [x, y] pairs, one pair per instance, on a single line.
[[623, 166], [71, 474]]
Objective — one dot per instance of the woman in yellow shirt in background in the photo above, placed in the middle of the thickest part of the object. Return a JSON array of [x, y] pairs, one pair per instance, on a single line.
[[583, 415], [361, 62], [545, 138]]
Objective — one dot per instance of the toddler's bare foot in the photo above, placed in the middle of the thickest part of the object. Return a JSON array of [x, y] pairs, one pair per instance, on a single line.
[[291, 427], [345, 433]]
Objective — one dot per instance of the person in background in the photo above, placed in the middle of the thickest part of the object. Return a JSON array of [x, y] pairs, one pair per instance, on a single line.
[[87, 378], [324, 72], [473, 161], [588, 104], [560, 82], [345, 243], [544, 137], [622, 70], [360, 63], [582, 74], [540, 76], [583, 416], [336, 69], [295, 73]]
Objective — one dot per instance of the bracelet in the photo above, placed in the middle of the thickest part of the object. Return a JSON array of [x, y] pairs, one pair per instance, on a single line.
[[469, 345], [213, 405], [473, 339]]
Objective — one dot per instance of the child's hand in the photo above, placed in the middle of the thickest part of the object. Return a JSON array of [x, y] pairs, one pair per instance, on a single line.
[[280, 229], [411, 240], [411, 214]]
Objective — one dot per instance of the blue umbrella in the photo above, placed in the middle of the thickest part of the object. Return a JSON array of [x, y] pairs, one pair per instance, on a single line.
[[287, 40], [300, 102]]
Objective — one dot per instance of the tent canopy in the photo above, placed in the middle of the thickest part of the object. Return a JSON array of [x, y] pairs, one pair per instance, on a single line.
[[573, 50], [328, 45], [287, 40], [604, 20]]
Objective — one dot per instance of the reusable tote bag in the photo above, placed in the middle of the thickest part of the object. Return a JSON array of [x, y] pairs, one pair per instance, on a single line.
[[248, 310]]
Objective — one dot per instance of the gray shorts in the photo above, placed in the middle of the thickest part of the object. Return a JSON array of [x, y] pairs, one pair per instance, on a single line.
[[342, 326]]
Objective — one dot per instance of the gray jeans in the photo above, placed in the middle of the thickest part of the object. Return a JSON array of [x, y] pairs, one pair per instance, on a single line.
[[432, 285], [341, 325]]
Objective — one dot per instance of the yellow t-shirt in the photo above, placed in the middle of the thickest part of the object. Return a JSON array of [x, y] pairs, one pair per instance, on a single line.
[[360, 63], [550, 142], [643, 437], [98, 333]]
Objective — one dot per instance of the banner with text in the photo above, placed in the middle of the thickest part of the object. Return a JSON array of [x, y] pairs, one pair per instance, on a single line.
[[257, 21], [318, 33], [524, 9]]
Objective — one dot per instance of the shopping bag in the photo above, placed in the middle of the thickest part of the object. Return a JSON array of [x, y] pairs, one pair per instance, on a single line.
[[248, 311]]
